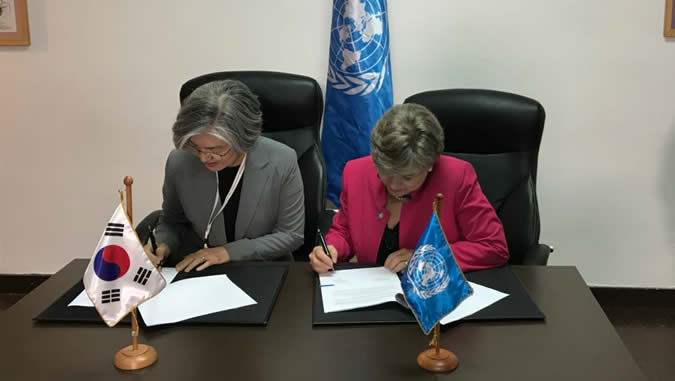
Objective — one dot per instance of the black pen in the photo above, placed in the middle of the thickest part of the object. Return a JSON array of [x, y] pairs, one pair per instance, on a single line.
[[154, 244], [152, 240], [325, 248]]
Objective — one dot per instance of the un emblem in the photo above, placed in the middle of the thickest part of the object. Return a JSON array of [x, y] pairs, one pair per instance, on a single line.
[[359, 47], [427, 272]]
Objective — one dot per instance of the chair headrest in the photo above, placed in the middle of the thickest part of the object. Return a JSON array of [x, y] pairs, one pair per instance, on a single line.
[[512, 122], [288, 101]]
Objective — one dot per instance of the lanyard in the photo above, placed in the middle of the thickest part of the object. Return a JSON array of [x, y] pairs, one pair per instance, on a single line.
[[235, 183]]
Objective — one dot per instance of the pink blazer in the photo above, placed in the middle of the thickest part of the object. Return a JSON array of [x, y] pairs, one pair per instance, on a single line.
[[470, 223]]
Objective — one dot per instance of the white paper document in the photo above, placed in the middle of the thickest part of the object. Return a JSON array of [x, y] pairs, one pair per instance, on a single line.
[[344, 290], [481, 298], [186, 299], [81, 300], [193, 297]]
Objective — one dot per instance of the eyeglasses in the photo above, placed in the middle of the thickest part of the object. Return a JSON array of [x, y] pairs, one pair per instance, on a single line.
[[199, 152]]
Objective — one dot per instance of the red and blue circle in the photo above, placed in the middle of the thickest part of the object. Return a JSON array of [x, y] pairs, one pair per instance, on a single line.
[[111, 262]]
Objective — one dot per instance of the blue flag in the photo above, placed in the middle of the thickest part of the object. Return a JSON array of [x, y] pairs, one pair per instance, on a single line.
[[358, 89], [433, 283]]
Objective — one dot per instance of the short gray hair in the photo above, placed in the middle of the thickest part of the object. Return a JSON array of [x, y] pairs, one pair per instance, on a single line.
[[408, 136], [225, 109]]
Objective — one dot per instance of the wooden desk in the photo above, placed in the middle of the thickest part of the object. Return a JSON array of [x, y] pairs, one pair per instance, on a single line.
[[576, 342]]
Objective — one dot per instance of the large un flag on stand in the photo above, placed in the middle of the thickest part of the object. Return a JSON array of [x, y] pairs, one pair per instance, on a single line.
[[358, 89], [433, 283], [120, 276]]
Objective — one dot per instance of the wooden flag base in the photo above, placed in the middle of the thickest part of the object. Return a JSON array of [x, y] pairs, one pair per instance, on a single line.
[[443, 361], [129, 359]]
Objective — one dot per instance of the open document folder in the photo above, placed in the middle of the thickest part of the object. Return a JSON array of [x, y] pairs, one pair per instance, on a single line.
[[186, 299], [344, 290]]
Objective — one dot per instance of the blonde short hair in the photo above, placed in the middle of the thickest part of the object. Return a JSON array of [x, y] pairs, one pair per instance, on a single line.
[[407, 137]]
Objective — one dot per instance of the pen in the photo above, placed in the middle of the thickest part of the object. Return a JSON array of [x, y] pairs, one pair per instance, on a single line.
[[153, 242], [325, 248], [152, 239]]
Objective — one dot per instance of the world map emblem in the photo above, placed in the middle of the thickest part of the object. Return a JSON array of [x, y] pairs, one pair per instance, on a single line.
[[359, 47], [111, 262], [427, 272]]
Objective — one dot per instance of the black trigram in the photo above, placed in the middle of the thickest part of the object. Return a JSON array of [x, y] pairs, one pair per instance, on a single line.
[[114, 229], [142, 276], [110, 296]]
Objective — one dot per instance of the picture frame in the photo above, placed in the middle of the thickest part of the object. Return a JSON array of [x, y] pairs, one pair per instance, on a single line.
[[14, 23], [669, 23]]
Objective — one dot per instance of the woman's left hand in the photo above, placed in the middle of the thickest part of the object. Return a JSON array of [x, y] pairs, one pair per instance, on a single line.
[[203, 258], [398, 260]]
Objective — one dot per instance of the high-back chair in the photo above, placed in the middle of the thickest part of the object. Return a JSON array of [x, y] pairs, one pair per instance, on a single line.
[[499, 134], [292, 107]]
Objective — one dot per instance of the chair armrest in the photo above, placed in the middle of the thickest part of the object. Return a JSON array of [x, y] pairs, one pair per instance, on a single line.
[[537, 255]]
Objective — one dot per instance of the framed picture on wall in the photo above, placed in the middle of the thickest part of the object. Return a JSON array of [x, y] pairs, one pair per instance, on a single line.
[[669, 26], [13, 23]]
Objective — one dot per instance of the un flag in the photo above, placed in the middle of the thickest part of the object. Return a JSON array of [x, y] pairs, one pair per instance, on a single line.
[[358, 88], [433, 283]]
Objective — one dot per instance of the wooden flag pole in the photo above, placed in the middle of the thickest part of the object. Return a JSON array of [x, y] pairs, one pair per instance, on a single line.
[[128, 182], [437, 359], [134, 356]]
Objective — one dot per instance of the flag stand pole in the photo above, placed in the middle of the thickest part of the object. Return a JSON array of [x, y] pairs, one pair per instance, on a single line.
[[437, 359], [134, 356]]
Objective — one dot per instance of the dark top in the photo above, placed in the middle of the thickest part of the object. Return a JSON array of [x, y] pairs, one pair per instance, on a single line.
[[388, 244], [225, 180]]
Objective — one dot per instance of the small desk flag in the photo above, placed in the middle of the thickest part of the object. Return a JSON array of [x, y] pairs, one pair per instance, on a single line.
[[358, 87], [120, 276], [432, 283]]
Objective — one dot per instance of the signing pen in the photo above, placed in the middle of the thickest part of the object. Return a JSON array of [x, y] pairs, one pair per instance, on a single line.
[[153, 242], [325, 248]]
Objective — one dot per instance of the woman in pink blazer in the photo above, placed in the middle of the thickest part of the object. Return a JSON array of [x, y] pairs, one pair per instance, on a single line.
[[386, 200]]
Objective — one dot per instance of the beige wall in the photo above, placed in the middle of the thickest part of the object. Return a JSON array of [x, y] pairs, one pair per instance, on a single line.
[[93, 98]]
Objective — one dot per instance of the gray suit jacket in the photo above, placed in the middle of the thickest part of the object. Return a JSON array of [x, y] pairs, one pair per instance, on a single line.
[[271, 215]]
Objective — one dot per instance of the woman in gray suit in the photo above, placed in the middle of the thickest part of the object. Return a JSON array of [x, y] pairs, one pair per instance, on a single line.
[[229, 193]]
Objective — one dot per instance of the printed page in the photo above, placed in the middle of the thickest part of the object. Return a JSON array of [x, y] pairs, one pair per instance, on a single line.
[[344, 290]]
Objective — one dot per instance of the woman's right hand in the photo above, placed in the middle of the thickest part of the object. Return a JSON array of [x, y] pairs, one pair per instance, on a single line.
[[320, 262], [159, 255]]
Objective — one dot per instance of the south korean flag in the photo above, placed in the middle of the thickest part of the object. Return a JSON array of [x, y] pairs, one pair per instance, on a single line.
[[120, 276]]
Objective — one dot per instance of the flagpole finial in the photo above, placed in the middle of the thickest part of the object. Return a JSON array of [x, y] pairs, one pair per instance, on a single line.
[[437, 203], [128, 181]]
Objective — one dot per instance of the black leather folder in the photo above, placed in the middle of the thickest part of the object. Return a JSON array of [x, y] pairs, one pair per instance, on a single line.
[[262, 281], [517, 306]]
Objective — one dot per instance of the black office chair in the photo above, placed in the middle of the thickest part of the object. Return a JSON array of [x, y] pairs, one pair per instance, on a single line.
[[499, 134], [292, 107]]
